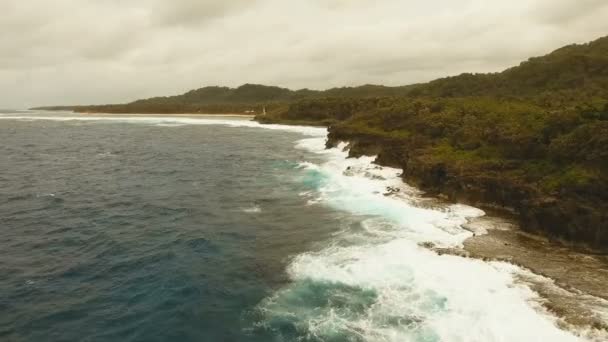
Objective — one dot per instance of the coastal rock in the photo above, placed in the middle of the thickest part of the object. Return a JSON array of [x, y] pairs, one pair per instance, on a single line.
[[569, 217]]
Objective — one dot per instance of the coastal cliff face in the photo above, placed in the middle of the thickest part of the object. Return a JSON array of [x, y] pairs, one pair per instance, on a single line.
[[532, 140], [565, 215]]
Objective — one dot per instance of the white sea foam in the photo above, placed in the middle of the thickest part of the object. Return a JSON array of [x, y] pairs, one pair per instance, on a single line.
[[377, 284], [45, 195], [172, 121], [253, 209], [359, 186]]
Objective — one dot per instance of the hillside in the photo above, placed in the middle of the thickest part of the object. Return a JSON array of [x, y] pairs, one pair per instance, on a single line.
[[567, 74], [531, 140], [573, 74], [248, 97]]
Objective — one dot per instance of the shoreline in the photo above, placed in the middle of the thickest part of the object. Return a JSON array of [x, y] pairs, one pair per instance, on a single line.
[[569, 282], [570, 268], [568, 278], [251, 116]]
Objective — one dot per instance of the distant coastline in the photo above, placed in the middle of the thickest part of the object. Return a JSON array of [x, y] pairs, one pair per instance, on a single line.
[[177, 114], [71, 109]]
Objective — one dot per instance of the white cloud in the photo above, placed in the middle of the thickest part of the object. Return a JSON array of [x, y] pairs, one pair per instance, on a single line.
[[109, 51]]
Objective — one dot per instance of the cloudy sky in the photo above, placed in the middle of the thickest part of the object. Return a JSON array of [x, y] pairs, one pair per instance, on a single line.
[[111, 51]]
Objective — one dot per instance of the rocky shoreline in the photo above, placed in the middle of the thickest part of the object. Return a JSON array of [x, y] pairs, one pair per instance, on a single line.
[[570, 281], [565, 220], [570, 278]]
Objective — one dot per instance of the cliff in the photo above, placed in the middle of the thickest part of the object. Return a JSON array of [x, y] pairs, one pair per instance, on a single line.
[[530, 140]]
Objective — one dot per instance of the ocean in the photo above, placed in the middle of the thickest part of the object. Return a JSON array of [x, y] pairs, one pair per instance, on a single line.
[[156, 228]]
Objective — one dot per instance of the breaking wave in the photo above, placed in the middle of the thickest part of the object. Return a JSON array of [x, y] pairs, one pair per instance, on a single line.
[[373, 281], [170, 121]]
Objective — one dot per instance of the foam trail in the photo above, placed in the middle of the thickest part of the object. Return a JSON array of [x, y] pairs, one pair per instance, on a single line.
[[374, 282]]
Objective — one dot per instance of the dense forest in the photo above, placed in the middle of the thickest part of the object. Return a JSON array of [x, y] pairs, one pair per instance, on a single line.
[[532, 139]]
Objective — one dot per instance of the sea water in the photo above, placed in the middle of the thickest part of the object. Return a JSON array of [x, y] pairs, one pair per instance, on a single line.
[[151, 228]]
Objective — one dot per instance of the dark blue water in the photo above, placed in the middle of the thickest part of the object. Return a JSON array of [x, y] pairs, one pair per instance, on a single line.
[[113, 231]]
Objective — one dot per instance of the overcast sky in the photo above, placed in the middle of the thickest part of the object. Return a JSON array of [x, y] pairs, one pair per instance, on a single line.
[[112, 51]]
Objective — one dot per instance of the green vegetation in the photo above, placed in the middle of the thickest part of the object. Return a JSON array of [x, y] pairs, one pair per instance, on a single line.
[[533, 139], [220, 100]]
